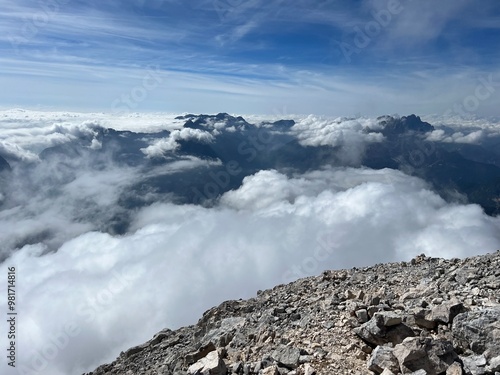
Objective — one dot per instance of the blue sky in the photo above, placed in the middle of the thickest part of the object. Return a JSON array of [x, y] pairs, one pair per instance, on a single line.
[[318, 56]]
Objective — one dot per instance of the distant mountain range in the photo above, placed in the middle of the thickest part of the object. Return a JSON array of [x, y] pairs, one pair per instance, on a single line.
[[452, 169], [229, 148]]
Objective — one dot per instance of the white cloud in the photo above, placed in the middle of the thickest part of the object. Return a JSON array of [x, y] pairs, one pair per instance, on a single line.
[[488, 126], [176, 261], [345, 133], [95, 144], [159, 147], [57, 200], [15, 152], [439, 135], [248, 88], [420, 22], [36, 130], [170, 144]]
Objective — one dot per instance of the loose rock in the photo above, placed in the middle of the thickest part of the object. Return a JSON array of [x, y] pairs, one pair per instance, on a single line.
[[429, 316]]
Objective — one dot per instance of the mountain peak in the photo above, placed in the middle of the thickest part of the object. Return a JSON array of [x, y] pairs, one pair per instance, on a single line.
[[405, 124]]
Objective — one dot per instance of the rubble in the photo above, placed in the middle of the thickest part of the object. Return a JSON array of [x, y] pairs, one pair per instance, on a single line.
[[428, 316]]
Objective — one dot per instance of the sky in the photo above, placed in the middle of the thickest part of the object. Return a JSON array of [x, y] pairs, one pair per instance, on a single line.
[[325, 57]]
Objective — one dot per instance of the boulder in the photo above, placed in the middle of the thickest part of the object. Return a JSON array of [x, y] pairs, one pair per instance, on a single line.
[[387, 318], [287, 356], [494, 364], [212, 364], [433, 356], [454, 369], [362, 315], [309, 370], [478, 331], [384, 327], [200, 353], [422, 319], [474, 364], [382, 358], [446, 312]]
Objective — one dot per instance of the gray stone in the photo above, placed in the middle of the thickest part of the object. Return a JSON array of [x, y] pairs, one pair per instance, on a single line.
[[349, 294], [387, 318], [160, 336], [200, 353], [305, 358], [454, 369], [379, 331], [362, 315], [478, 331], [433, 356], [494, 364], [271, 370], [374, 309], [212, 364], [422, 319], [382, 358], [371, 332], [474, 365], [136, 349], [237, 367], [287, 356], [372, 300], [446, 312], [309, 370]]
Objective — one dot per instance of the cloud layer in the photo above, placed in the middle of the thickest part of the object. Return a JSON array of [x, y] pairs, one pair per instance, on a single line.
[[177, 261], [87, 294]]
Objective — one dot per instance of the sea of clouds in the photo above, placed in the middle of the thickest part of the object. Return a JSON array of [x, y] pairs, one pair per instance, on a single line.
[[85, 294]]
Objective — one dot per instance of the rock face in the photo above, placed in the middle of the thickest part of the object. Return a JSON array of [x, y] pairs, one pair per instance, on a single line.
[[394, 126], [428, 316]]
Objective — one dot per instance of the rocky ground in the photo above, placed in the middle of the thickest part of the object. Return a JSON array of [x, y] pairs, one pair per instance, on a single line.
[[428, 316]]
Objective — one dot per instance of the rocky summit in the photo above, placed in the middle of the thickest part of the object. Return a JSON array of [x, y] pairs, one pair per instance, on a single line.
[[427, 316]]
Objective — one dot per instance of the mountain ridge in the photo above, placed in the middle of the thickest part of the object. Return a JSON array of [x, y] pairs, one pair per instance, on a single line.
[[426, 316]]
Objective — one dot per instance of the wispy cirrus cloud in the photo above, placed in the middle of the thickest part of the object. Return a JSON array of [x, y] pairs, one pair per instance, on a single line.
[[214, 46]]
